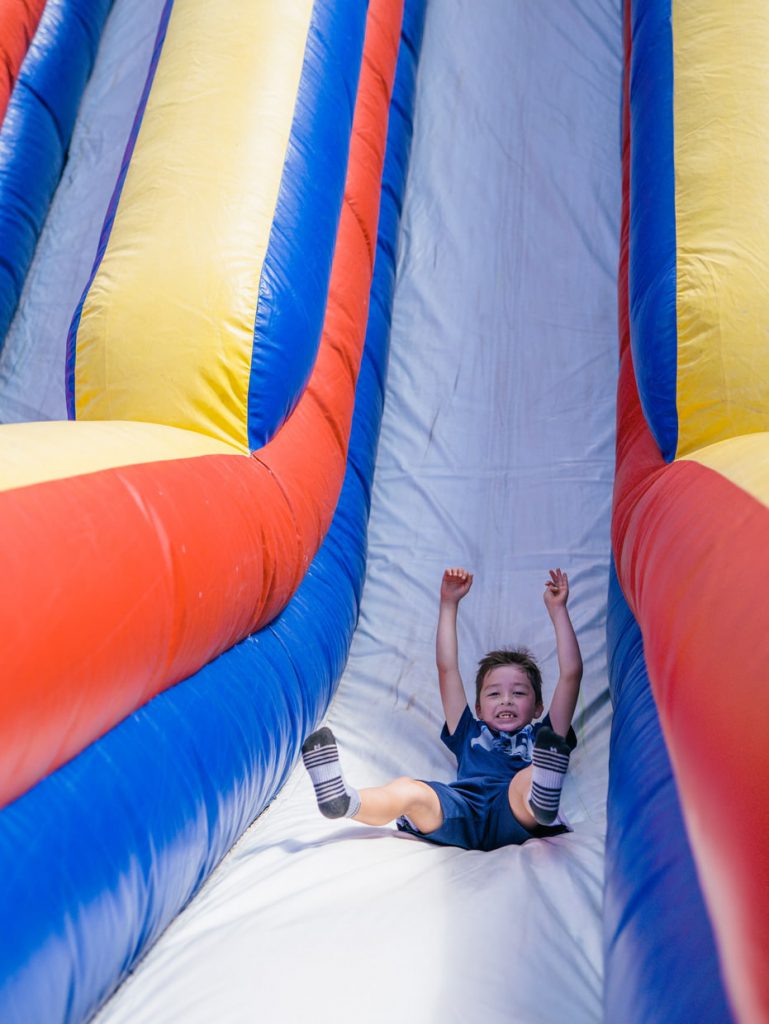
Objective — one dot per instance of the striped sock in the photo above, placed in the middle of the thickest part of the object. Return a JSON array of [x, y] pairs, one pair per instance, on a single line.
[[550, 761], [321, 759]]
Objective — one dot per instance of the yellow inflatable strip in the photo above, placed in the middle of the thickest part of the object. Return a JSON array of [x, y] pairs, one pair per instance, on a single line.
[[168, 322], [742, 460], [31, 453], [721, 99]]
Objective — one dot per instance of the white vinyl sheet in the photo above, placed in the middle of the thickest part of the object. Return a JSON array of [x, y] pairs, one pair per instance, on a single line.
[[497, 453]]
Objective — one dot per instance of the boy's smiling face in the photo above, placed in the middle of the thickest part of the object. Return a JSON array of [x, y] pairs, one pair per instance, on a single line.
[[507, 701]]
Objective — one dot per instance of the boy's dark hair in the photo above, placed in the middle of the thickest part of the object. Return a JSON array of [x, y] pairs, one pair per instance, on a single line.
[[510, 656]]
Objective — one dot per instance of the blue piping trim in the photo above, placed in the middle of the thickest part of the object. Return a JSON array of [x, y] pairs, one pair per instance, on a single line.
[[652, 271]]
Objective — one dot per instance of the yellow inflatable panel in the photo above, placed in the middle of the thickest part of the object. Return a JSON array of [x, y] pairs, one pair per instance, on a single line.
[[721, 96], [168, 322], [743, 460], [31, 453]]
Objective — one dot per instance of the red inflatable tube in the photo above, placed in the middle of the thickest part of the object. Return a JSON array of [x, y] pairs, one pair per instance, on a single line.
[[692, 552], [18, 21], [120, 583]]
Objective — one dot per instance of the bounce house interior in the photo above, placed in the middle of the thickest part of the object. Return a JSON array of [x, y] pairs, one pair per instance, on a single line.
[[301, 303]]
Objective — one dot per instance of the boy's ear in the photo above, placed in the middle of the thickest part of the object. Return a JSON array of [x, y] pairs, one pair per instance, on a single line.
[[540, 707]]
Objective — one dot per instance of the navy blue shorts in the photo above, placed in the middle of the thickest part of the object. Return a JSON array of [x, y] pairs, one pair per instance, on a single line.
[[476, 820]]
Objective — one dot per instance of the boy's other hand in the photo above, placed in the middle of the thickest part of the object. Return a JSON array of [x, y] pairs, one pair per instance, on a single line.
[[556, 590], [455, 584]]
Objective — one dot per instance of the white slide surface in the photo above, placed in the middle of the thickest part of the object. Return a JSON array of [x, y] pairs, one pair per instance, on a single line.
[[497, 453]]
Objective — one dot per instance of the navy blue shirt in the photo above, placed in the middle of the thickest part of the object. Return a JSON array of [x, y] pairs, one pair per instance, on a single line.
[[490, 757]]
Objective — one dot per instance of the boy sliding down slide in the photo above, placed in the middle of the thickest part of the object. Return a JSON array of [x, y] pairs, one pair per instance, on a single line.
[[509, 769]]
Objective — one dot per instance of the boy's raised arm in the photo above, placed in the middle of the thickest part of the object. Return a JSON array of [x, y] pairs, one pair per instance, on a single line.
[[569, 657], [455, 584]]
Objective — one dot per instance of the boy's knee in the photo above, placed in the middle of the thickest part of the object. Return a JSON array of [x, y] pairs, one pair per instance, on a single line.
[[518, 798], [420, 804], [406, 787], [418, 795]]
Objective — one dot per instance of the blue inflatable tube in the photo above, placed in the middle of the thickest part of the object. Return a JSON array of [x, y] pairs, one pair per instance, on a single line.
[[659, 952], [289, 320], [118, 840], [36, 132], [653, 267]]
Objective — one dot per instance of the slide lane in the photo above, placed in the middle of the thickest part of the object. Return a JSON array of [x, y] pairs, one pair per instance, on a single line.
[[33, 352], [36, 130], [503, 302]]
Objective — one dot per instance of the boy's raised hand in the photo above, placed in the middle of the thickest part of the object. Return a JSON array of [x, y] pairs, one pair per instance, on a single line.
[[556, 590], [567, 649], [455, 585]]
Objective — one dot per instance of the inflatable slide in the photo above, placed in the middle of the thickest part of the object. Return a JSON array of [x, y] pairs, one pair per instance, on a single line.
[[302, 297]]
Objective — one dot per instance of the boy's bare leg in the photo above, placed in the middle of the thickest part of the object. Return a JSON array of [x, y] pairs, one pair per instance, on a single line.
[[378, 806], [518, 795], [418, 801]]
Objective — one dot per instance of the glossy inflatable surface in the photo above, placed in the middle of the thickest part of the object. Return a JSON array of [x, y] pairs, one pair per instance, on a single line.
[[690, 534], [225, 538]]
